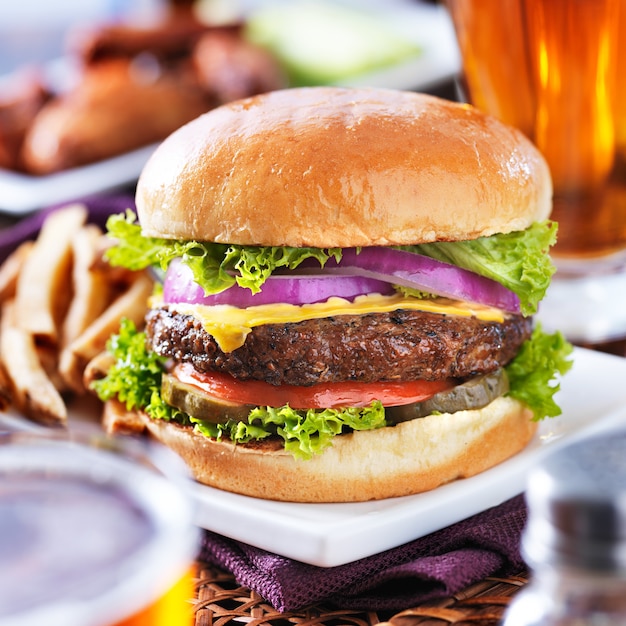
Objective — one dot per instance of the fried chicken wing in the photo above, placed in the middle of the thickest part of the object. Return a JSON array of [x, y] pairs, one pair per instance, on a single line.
[[21, 98], [136, 84], [229, 67], [117, 106], [168, 39]]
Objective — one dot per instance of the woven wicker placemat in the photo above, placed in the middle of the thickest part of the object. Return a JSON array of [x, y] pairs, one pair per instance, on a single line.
[[220, 601]]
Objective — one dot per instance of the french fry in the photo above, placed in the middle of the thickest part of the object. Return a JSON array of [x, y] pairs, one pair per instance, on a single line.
[[60, 302], [116, 420], [6, 389], [97, 368], [91, 287], [131, 304], [11, 268], [34, 394], [49, 360], [42, 293]]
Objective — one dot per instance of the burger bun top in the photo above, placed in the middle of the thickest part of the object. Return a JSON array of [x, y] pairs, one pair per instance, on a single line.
[[340, 167]]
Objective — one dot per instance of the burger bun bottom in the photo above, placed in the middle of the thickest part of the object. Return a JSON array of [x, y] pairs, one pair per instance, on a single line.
[[409, 458]]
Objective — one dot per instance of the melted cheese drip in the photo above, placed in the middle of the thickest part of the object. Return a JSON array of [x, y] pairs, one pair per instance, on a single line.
[[230, 326]]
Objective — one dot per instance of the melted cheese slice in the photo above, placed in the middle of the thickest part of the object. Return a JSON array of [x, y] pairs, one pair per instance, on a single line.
[[230, 326]]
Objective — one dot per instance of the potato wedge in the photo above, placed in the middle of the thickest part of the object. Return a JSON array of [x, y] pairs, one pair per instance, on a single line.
[[34, 394], [91, 287], [43, 293], [11, 268], [6, 389], [131, 304], [116, 420]]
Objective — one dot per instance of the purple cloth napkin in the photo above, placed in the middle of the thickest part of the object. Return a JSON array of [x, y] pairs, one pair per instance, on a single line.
[[99, 208], [434, 566]]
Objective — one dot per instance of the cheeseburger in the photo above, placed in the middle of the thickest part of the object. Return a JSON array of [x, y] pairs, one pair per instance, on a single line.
[[348, 283]]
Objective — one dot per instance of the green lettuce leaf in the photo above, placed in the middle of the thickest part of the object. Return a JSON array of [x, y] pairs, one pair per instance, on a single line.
[[518, 260], [304, 432], [215, 266], [135, 376], [532, 374], [318, 43]]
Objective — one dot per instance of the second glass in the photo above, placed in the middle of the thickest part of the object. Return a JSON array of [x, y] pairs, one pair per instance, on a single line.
[[551, 69]]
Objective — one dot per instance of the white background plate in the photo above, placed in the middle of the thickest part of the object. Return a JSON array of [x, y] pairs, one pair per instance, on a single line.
[[20, 193], [592, 396], [428, 25]]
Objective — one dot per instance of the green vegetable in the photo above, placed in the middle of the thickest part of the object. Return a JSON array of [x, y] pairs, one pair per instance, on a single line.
[[407, 292], [215, 266], [532, 372], [135, 377], [325, 42], [304, 432], [517, 260]]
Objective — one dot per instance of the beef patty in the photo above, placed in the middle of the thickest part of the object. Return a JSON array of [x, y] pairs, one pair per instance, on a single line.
[[397, 346]]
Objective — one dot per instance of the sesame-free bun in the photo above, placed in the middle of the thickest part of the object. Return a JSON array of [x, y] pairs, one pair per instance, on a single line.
[[334, 167], [409, 458]]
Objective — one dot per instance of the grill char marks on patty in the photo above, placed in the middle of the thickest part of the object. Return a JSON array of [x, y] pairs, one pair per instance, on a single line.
[[397, 346]]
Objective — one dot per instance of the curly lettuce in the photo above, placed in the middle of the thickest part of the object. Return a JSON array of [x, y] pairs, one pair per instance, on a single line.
[[533, 372], [134, 379], [305, 433], [215, 266]]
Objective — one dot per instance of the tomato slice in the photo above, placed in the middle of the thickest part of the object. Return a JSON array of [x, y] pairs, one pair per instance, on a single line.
[[323, 395]]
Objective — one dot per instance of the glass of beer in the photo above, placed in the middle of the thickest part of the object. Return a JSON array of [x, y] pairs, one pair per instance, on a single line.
[[552, 68], [93, 532]]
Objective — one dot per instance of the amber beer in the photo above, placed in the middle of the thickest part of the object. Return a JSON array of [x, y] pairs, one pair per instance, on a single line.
[[552, 68], [172, 607], [90, 536]]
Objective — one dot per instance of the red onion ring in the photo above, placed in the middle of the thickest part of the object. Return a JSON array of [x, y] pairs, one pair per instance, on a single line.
[[425, 274], [292, 288]]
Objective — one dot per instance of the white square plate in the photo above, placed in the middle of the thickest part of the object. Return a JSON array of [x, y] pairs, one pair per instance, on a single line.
[[592, 396]]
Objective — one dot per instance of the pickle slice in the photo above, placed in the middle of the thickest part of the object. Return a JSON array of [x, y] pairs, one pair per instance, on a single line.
[[200, 405], [473, 394]]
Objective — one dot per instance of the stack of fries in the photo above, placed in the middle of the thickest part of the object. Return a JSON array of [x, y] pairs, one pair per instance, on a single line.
[[60, 302]]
